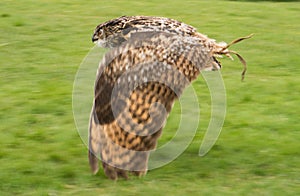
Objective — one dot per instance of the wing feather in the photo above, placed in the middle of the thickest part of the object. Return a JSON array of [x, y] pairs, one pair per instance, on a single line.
[[135, 89]]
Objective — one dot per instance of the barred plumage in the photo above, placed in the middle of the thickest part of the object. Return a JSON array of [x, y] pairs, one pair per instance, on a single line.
[[151, 61]]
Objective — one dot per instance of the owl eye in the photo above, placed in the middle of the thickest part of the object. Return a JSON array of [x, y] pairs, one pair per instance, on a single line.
[[100, 31]]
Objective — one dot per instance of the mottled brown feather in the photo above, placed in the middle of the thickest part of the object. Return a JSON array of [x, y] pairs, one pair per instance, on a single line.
[[151, 61], [136, 86]]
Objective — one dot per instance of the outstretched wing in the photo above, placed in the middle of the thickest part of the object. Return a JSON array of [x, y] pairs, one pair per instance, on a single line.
[[135, 89]]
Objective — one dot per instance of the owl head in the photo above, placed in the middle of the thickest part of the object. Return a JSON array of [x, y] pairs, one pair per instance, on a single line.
[[111, 33]]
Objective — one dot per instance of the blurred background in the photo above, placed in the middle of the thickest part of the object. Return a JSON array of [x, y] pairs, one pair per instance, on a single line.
[[42, 44]]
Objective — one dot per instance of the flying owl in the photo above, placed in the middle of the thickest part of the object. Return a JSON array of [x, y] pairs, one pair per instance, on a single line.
[[150, 62]]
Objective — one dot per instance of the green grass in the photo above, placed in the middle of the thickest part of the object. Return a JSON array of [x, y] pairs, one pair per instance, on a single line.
[[42, 44]]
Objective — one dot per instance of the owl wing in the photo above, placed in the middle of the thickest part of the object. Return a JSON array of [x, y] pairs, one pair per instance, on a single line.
[[135, 89]]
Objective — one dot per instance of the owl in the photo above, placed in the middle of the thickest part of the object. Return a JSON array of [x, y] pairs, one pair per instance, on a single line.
[[150, 62]]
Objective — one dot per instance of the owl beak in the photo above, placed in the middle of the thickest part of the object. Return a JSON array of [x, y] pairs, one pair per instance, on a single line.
[[94, 38]]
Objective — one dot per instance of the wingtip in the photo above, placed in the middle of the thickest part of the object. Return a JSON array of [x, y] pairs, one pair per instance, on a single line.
[[93, 160]]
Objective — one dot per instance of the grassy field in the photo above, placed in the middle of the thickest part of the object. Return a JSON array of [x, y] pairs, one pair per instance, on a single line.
[[42, 44]]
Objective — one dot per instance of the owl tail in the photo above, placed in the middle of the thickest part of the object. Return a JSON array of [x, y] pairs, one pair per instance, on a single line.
[[94, 143]]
